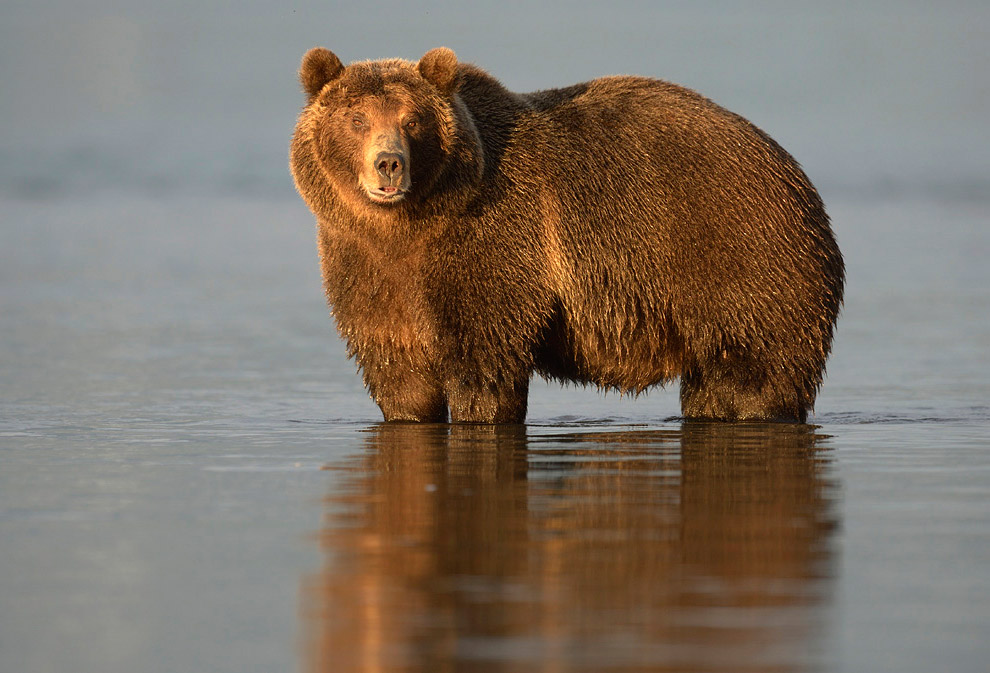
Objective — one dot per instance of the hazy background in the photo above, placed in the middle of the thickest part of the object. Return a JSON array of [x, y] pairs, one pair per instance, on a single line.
[[872, 97]]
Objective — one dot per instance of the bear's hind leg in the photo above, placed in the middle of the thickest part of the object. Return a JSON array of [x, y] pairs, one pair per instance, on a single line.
[[737, 391]]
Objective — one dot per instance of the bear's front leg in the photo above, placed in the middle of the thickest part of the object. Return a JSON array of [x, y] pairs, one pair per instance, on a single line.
[[736, 389], [404, 390], [491, 307], [476, 400], [412, 403]]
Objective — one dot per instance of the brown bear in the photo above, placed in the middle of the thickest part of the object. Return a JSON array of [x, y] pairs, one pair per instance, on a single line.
[[622, 232]]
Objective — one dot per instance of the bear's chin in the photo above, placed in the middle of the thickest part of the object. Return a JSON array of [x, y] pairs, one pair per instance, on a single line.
[[380, 196]]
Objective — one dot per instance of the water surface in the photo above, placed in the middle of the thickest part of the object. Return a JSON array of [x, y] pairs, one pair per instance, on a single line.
[[192, 477]]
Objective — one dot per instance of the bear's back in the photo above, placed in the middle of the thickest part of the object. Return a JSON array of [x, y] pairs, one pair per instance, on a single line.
[[664, 210]]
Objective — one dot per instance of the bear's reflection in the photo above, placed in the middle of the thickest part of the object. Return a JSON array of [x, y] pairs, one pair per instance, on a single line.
[[477, 548]]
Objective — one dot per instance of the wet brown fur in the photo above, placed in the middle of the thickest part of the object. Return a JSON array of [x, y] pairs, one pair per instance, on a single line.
[[623, 232]]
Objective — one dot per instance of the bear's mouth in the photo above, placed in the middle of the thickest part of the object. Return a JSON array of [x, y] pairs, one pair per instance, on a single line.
[[385, 194]]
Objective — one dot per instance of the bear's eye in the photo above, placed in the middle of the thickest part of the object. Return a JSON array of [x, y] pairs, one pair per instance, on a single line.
[[411, 124], [357, 122]]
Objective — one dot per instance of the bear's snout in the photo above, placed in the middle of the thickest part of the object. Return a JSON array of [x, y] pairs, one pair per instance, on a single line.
[[385, 174], [390, 165], [389, 177]]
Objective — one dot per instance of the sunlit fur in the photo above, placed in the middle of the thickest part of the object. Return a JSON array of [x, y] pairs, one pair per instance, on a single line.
[[623, 232]]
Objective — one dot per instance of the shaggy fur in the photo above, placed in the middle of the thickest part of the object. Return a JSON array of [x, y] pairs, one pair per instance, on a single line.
[[623, 232]]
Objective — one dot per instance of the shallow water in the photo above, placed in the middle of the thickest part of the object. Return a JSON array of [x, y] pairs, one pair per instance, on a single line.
[[192, 477]]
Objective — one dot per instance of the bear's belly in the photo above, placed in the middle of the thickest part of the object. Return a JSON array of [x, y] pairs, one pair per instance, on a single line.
[[629, 354]]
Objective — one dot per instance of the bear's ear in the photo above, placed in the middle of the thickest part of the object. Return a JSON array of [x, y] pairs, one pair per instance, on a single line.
[[319, 66], [439, 68]]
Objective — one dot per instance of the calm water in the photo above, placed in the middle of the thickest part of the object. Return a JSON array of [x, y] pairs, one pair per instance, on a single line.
[[193, 479]]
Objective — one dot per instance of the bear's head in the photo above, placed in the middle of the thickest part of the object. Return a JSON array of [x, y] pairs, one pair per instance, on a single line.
[[384, 137]]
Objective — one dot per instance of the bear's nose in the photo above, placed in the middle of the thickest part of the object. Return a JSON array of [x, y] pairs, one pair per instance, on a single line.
[[390, 165]]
